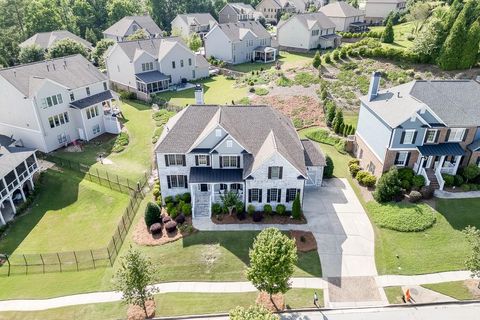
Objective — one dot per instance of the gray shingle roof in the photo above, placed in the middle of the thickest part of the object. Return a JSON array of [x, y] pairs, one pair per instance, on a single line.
[[151, 76], [313, 155], [72, 72], [241, 8], [46, 39], [254, 127], [341, 9], [154, 47], [235, 31], [11, 156], [310, 19], [93, 99], [121, 27], [197, 18]]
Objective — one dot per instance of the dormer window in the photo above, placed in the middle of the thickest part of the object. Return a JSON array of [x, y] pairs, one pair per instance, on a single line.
[[218, 132], [229, 143], [87, 89], [105, 86], [275, 172], [456, 134], [431, 136]]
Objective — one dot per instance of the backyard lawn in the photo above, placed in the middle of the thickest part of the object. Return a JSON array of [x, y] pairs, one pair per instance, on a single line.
[[135, 159], [169, 304], [218, 90], [68, 214], [287, 59], [401, 31]]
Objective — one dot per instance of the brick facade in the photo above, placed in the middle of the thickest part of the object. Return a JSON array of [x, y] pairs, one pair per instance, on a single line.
[[367, 157], [392, 154]]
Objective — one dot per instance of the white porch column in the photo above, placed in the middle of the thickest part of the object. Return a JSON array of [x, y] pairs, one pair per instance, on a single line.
[[420, 165], [457, 163], [212, 192], [23, 194], [12, 204], [5, 184], [16, 175], [440, 164], [192, 197], [31, 183], [274, 55], [1, 217]]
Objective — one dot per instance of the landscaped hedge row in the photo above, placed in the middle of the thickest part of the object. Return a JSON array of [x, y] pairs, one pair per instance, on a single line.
[[181, 203], [324, 136], [363, 177], [368, 34], [468, 179]]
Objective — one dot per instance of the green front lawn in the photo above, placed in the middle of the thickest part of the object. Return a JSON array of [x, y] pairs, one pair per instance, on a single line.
[[394, 295], [169, 304], [218, 90], [287, 59], [68, 214], [455, 289], [135, 159]]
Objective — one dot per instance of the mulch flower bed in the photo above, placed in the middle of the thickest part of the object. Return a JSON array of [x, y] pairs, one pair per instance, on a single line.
[[278, 303], [267, 219], [143, 237], [137, 313], [304, 240]]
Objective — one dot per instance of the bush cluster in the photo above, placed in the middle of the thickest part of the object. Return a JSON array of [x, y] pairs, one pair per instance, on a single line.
[[180, 204], [127, 95], [121, 142], [368, 34], [402, 217], [366, 179]]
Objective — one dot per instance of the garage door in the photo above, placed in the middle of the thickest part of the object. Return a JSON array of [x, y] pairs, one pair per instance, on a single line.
[[314, 176]]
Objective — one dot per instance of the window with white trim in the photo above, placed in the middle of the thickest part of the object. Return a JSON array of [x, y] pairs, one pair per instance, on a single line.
[[401, 159], [431, 135], [92, 112], [105, 87], [274, 172], [174, 160], [229, 143], [58, 120], [51, 101], [72, 97], [456, 134], [408, 136], [177, 181], [218, 132], [202, 160], [189, 61], [315, 32], [181, 63], [255, 195], [87, 90], [62, 138], [291, 194], [147, 66], [96, 129], [229, 161], [274, 195]]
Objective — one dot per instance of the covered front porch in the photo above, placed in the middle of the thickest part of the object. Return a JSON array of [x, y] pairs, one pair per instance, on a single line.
[[435, 160], [264, 54]]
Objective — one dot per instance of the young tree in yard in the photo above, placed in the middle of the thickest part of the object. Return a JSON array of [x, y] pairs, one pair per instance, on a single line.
[[134, 277], [388, 35], [331, 111], [140, 34], [296, 207], [338, 121], [90, 36], [229, 200], [66, 47], [100, 49], [317, 60], [251, 313], [470, 52], [388, 186], [31, 53], [328, 170], [473, 261], [418, 14], [272, 261], [194, 42]]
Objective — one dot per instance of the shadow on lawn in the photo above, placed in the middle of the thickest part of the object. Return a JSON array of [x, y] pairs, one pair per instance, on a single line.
[[460, 213], [240, 242]]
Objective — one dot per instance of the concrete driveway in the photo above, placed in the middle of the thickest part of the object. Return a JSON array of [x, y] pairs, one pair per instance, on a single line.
[[344, 235]]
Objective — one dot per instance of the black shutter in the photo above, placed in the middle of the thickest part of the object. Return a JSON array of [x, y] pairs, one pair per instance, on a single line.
[[407, 159], [426, 136], [280, 172], [238, 161], [169, 182], [448, 135], [437, 135], [403, 137], [186, 182], [414, 137], [298, 192], [279, 196], [260, 191], [396, 158], [208, 161], [287, 196], [221, 163], [166, 161], [184, 160], [249, 195], [269, 172], [196, 161], [465, 135], [268, 196]]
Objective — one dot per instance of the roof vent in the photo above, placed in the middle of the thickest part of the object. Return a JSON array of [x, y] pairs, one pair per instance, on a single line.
[[398, 94]]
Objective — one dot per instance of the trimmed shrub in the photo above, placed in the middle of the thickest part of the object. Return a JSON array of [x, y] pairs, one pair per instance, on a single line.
[[152, 214], [365, 178], [169, 199], [257, 216], [405, 184], [156, 228], [296, 208], [406, 174], [121, 142], [186, 197], [418, 181], [216, 208], [171, 226], [127, 95], [166, 219], [388, 187], [241, 215], [187, 209], [267, 209], [173, 212], [180, 219], [466, 187], [353, 161], [280, 209], [458, 180], [449, 179], [328, 170], [414, 196], [251, 209], [401, 216], [427, 192], [239, 207], [156, 192], [354, 169]]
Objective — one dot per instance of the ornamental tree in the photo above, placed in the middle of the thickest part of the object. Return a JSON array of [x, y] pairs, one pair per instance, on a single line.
[[388, 186], [388, 35], [473, 261], [31, 53], [66, 47], [272, 261], [134, 279], [317, 60]]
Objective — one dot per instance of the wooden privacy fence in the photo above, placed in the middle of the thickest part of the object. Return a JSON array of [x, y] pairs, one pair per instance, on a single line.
[[23, 264]]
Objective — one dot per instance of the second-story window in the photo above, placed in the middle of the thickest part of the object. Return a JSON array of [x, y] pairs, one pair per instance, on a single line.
[[456, 134], [105, 86], [189, 61], [173, 64], [229, 143], [147, 66], [202, 160], [51, 101], [229, 162], [315, 32], [181, 63], [275, 172], [87, 89], [408, 137], [431, 136], [72, 97], [175, 160], [92, 112]]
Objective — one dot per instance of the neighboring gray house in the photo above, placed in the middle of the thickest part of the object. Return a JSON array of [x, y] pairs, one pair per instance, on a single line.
[[18, 165], [307, 31], [127, 26], [153, 65], [189, 23], [345, 17], [240, 42], [252, 150], [238, 11], [46, 39], [377, 10], [272, 10], [430, 126], [52, 103]]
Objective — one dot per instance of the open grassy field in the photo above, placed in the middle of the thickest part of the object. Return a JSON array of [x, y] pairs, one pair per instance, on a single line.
[[68, 214], [135, 159], [401, 32], [169, 304]]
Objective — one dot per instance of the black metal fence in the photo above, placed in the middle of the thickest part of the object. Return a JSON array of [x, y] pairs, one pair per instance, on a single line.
[[23, 264]]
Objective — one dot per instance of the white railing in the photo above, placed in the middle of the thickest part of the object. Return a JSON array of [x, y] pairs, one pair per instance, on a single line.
[[33, 167], [440, 180], [423, 173], [218, 199], [448, 168]]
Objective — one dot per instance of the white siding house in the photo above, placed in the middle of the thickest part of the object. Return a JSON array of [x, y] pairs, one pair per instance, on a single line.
[[189, 23], [345, 17], [154, 65], [307, 31], [127, 26], [240, 42], [377, 10], [236, 11], [51, 103]]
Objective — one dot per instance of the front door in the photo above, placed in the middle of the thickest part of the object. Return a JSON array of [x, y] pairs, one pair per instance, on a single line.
[[203, 187]]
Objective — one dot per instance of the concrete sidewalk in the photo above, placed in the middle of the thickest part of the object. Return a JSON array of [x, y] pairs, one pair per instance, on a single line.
[[397, 280], [456, 195]]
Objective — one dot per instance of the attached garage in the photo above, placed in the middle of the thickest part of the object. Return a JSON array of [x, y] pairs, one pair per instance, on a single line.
[[315, 163]]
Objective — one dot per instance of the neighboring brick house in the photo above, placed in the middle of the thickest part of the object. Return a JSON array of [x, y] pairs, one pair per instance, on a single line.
[[189, 23], [308, 31], [377, 10], [430, 126], [47, 39], [236, 12], [51, 103], [252, 150], [127, 26], [153, 65], [345, 17], [240, 42]]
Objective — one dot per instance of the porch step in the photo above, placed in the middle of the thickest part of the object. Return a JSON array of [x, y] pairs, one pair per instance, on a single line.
[[433, 179]]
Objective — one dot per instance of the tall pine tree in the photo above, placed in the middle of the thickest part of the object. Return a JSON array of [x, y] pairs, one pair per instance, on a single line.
[[470, 51]]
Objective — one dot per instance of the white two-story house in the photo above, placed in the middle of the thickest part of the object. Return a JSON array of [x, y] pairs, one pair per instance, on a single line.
[[127, 26], [154, 65], [237, 11], [47, 39], [48, 104], [240, 42], [377, 10], [252, 150], [308, 31], [190, 23], [346, 17]]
